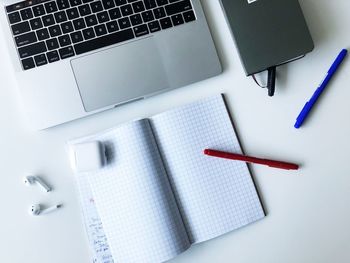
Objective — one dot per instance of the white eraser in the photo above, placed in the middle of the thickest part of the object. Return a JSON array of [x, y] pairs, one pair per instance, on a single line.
[[89, 156]]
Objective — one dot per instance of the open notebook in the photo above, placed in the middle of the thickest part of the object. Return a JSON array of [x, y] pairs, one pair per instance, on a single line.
[[159, 193]]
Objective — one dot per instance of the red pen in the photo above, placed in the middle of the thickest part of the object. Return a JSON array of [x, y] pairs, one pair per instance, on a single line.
[[248, 159]]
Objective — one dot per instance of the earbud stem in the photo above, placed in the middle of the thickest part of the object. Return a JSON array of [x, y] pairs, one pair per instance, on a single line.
[[50, 209], [43, 185]]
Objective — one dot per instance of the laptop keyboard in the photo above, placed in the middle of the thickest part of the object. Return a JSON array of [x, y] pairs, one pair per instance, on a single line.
[[48, 31]]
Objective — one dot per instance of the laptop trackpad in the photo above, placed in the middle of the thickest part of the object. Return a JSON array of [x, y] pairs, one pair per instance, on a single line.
[[120, 74]]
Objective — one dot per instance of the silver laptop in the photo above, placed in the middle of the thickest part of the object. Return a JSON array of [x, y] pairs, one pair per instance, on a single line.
[[74, 58]]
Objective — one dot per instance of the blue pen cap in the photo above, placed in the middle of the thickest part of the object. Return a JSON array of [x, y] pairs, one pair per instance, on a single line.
[[338, 60]]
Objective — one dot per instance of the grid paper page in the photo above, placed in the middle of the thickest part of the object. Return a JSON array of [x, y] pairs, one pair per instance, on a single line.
[[134, 198], [93, 225], [215, 196]]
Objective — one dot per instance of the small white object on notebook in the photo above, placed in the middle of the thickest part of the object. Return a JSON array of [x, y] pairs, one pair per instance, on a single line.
[[89, 156]]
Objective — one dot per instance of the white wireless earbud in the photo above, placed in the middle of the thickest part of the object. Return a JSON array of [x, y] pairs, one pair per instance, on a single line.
[[36, 210], [30, 180]]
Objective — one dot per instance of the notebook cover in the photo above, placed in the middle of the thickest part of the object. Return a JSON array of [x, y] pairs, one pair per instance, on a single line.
[[267, 32]]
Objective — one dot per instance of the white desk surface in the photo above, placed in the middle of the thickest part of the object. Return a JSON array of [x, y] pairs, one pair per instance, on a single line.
[[308, 215]]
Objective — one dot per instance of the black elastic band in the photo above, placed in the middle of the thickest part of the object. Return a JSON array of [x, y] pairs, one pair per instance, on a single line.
[[271, 81], [257, 83]]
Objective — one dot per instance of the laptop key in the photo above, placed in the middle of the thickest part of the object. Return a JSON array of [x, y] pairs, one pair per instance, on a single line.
[[178, 7], [25, 39], [102, 17], [26, 14], [75, 2], [84, 10], [120, 2], [189, 16], [14, 17], [52, 44], [28, 63], [79, 24], [32, 50], [48, 20], [55, 31], [15, 7], [66, 52], [126, 10], [107, 4], [141, 30], [138, 7], [52, 56], [136, 19], [42, 34], [115, 13], [124, 23], [40, 60], [62, 4], [88, 33], [67, 27], [162, 2], [38, 10], [149, 4], [91, 20], [104, 41], [51, 7], [112, 26], [64, 40], [36, 23], [96, 6], [60, 17], [165, 23], [72, 13], [100, 30], [177, 19], [147, 16], [76, 37], [20, 28], [154, 26], [159, 12]]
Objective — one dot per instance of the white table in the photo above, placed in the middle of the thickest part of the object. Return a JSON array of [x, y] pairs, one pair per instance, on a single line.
[[308, 212]]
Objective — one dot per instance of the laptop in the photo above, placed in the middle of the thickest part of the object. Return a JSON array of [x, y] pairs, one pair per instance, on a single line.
[[74, 58], [268, 33]]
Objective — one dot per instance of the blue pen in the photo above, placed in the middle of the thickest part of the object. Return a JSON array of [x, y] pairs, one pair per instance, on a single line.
[[308, 106]]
